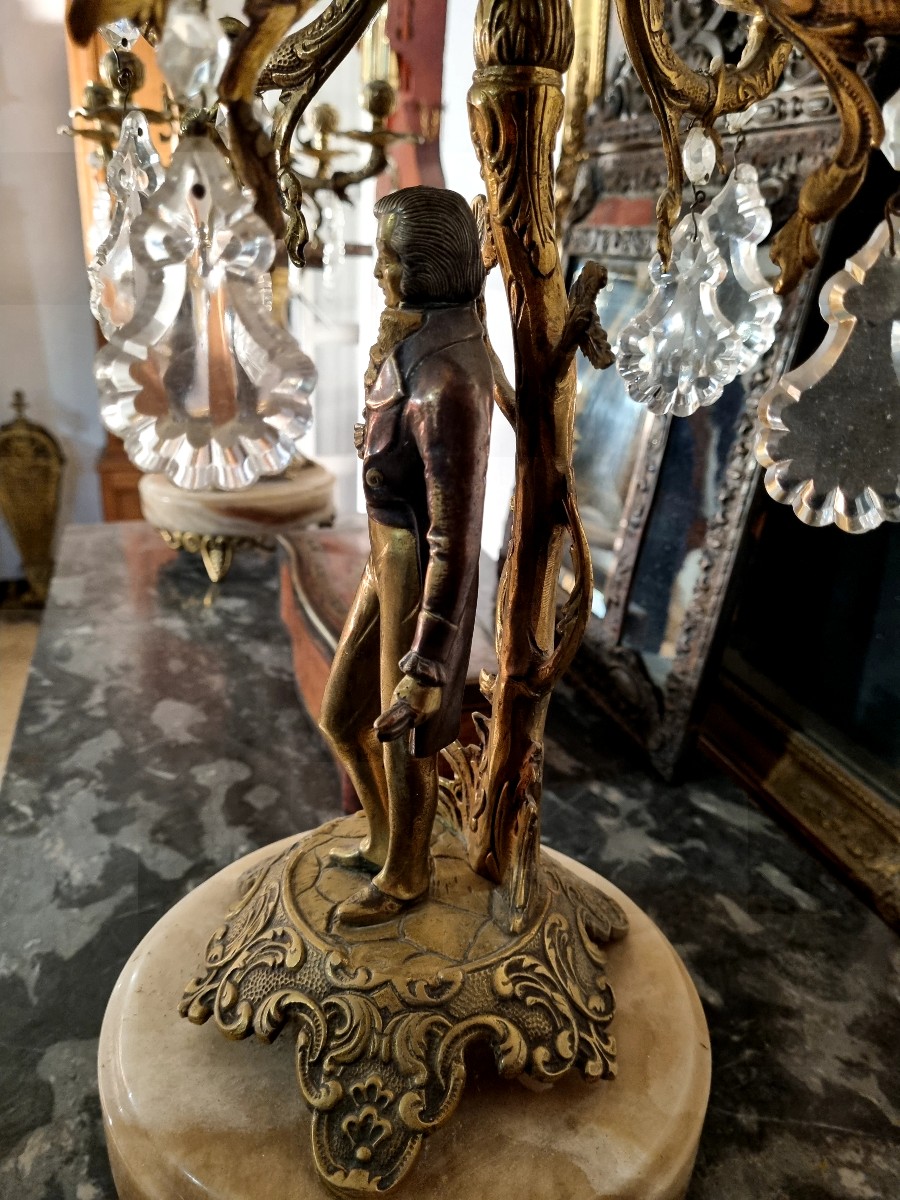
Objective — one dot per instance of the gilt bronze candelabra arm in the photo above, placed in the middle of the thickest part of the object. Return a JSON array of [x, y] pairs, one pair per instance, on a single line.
[[832, 35], [299, 67], [262, 57], [675, 89], [106, 103], [378, 99]]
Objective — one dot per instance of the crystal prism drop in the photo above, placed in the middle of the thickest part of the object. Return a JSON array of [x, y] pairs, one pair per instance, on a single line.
[[133, 172], [203, 384], [221, 125], [330, 233], [830, 436], [737, 121], [121, 34], [699, 156], [223, 129], [101, 216], [890, 147], [679, 351], [193, 50], [739, 220]]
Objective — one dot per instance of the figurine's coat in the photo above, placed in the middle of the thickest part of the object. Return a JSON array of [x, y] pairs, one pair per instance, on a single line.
[[425, 454]]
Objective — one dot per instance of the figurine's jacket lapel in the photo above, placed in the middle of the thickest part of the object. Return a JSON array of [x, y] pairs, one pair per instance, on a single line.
[[424, 462]]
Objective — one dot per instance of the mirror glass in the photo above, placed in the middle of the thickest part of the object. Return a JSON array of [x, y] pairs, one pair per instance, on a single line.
[[698, 453], [610, 428]]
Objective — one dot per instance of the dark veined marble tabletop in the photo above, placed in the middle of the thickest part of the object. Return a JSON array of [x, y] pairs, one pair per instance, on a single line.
[[161, 738]]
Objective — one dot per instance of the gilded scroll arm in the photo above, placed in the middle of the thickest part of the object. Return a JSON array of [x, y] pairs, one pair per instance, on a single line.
[[268, 23], [834, 184], [299, 66], [674, 88]]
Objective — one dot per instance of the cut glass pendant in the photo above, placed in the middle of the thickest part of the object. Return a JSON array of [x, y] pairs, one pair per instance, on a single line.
[[193, 50], [679, 351], [223, 129], [121, 34], [134, 171], [890, 147], [698, 156], [101, 216], [739, 220], [737, 121], [221, 125], [830, 437], [203, 384]]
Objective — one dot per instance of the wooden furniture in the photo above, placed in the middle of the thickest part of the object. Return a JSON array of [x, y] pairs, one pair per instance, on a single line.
[[119, 479]]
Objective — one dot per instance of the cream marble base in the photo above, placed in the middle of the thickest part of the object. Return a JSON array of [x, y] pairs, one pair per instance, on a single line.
[[302, 496], [192, 1116]]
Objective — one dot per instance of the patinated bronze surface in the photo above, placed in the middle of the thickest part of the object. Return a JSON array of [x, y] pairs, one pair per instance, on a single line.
[[384, 910], [384, 1017], [424, 444]]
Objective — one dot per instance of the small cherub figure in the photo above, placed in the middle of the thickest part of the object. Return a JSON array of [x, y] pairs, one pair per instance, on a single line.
[[394, 695]]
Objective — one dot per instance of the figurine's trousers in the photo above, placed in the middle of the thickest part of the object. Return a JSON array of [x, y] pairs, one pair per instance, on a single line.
[[398, 792]]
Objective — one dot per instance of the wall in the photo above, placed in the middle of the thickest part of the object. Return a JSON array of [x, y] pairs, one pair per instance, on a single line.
[[462, 175], [46, 330]]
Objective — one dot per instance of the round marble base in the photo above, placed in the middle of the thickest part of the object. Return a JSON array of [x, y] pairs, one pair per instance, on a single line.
[[301, 496], [192, 1116]]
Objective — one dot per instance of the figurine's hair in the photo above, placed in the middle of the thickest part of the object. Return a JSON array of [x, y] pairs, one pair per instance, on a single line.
[[436, 239]]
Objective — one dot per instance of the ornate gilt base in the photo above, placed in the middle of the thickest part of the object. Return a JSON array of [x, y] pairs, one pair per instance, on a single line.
[[384, 1015], [216, 524], [217, 552]]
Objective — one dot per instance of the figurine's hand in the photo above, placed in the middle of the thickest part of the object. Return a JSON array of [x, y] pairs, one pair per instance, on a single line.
[[411, 703]]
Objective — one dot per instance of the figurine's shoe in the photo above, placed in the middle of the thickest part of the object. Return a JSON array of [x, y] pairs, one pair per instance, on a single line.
[[353, 859], [371, 906]]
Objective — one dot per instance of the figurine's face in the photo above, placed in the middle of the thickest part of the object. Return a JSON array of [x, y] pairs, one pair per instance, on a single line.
[[388, 268]]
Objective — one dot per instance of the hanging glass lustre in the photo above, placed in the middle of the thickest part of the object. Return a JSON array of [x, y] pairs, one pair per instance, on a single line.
[[739, 220], [830, 438], [679, 351], [203, 384], [134, 173], [199, 379], [712, 315]]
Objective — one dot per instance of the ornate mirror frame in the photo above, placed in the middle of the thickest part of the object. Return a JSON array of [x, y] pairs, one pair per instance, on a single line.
[[612, 220]]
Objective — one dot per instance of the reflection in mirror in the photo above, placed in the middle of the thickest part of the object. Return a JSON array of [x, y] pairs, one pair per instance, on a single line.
[[668, 566], [609, 429], [665, 500]]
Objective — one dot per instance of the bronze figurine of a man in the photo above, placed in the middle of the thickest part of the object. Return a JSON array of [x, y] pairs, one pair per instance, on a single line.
[[394, 695]]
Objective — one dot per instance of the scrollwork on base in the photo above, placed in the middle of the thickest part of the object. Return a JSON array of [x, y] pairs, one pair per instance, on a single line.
[[383, 1016], [216, 550]]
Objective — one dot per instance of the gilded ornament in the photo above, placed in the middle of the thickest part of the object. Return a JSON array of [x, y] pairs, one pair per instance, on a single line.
[[31, 463], [394, 943], [832, 35], [516, 101], [383, 1018], [216, 551]]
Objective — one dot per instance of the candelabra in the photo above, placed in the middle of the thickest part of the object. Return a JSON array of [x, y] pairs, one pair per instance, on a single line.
[[382, 1029]]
